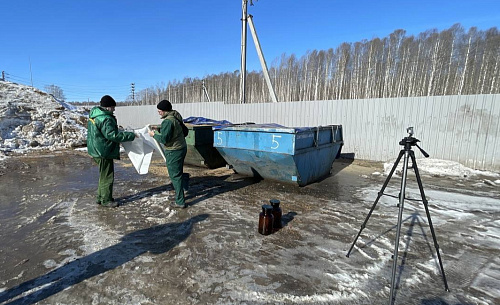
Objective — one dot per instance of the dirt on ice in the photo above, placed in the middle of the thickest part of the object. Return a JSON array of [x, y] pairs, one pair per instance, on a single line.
[[59, 247]]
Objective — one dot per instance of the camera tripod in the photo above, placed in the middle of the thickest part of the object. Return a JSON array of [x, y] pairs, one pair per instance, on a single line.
[[408, 153]]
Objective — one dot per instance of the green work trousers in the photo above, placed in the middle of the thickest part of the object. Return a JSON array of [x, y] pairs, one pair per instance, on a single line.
[[106, 179], [175, 164]]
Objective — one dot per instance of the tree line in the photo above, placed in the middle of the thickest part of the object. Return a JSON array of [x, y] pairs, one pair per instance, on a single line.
[[433, 63]]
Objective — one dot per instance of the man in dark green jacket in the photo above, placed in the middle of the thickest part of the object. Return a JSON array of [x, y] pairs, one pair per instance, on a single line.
[[172, 137], [103, 144]]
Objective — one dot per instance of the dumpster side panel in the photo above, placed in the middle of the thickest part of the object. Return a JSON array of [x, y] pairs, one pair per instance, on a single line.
[[280, 167], [274, 142], [200, 150], [199, 135], [314, 164], [205, 156]]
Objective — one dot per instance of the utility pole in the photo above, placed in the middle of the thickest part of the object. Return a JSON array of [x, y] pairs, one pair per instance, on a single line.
[[247, 20], [262, 59], [3, 75], [243, 69], [205, 91], [31, 73], [132, 89]]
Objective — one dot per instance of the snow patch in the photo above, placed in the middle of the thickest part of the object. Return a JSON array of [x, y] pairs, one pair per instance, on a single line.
[[439, 168]]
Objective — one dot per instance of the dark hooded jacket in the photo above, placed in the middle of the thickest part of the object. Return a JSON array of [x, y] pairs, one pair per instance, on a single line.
[[103, 136], [170, 133]]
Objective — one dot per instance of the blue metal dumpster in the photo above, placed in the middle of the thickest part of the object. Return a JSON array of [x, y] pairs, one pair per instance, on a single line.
[[288, 154]]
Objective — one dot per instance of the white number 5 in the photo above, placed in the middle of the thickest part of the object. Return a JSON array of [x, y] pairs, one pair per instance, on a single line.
[[275, 143], [219, 139]]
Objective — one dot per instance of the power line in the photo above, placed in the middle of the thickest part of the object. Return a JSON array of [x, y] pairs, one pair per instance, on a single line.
[[79, 92]]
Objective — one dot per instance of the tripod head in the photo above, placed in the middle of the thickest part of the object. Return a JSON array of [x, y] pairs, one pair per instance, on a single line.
[[410, 141]]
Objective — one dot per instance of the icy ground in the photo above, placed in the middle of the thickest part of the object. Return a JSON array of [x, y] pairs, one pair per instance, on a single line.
[[64, 249]]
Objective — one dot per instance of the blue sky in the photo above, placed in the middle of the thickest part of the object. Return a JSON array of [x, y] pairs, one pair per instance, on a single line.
[[90, 48]]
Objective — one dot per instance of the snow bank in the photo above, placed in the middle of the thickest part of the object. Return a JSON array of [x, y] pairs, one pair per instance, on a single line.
[[439, 168], [32, 119]]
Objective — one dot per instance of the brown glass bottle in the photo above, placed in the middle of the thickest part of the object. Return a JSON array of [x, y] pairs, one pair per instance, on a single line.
[[275, 203], [266, 220]]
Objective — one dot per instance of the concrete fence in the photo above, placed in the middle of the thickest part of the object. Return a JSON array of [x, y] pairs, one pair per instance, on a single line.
[[465, 129]]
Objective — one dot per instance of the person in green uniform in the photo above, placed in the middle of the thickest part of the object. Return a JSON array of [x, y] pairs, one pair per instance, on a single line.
[[103, 145], [171, 136]]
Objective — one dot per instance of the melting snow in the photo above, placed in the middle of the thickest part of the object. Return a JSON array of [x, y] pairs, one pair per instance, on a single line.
[[32, 119]]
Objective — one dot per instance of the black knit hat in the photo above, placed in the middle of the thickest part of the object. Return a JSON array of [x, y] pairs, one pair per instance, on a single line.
[[164, 105], [107, 101]]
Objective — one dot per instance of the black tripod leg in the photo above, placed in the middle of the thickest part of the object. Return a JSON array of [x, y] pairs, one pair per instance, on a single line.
[[400, 217], [376, 200], [424, 200]]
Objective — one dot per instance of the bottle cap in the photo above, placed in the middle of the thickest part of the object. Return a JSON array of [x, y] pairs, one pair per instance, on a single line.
[[267, 208]]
